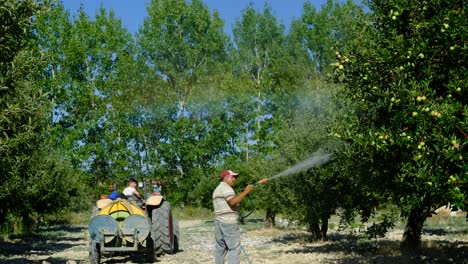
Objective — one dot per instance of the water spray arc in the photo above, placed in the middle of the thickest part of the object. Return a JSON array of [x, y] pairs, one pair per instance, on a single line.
[[319, 158]]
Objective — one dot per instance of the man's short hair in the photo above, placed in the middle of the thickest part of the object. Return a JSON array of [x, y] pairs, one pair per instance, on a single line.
[[132, 180]]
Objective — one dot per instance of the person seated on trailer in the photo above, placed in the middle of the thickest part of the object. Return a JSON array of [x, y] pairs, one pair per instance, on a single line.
[[131, 192]]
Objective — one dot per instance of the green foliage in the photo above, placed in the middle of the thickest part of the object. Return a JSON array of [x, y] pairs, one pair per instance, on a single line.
[[15, 19], [259, 39], [408, 83], [379, 229], [187, 130], [320, 190], [81, 76], [180, 103], [335, 24], [21, 106], [35, 181], [182, 42]]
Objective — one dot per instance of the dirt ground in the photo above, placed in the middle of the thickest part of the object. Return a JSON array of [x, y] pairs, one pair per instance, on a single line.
[[69, 244]]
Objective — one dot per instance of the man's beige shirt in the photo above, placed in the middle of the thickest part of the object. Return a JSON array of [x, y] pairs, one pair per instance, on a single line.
[[223, 211]]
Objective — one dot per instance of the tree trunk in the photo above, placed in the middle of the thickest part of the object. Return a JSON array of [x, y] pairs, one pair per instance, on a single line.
[[246, 144], [412, 235], [259, 109], [315, 232], [319, 229], [324, 228], [26, 223], [270, 218]]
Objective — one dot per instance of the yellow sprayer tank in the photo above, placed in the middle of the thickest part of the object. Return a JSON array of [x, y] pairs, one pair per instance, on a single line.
[[122, 225]]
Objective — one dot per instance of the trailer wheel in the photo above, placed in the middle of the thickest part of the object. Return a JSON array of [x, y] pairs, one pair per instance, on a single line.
[[162, 229], [94, 253]]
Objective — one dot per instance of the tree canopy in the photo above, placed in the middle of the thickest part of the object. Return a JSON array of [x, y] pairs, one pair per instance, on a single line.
[[35, 180], [84, 104], [408, 86]]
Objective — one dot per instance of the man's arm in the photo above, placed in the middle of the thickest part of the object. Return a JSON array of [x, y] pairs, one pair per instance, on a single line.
[[137, 194], [238, 198]]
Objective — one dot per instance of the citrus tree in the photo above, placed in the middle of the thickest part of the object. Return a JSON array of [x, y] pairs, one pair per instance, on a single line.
[[409, 123]]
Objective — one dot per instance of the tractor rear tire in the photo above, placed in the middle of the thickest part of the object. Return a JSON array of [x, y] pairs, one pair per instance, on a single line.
[[162, 229]]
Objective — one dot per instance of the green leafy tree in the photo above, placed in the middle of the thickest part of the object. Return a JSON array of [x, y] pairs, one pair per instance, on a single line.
[[321, 30], [20, 114], [184, 45], [259, 39], [408, 81], [280, 69], [265, 63], [84, 60], [319, 190], [34, 180]]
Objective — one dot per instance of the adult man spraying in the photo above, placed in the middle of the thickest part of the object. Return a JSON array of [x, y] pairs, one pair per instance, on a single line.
[[226, 209]]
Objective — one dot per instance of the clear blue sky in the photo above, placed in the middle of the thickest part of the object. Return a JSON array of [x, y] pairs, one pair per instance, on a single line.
[[133, 12]]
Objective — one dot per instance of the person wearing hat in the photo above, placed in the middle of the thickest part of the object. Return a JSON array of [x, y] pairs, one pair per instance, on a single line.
[[226, 209], [131, 190]]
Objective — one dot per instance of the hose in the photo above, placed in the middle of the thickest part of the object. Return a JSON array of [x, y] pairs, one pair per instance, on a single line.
[[245, 254], [242, 218]]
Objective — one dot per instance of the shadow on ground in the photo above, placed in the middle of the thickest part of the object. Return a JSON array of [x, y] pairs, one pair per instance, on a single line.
[[49, 260], [42, 242], [357, 250]]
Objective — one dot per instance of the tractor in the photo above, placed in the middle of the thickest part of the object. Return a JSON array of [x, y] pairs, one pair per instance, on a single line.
[[123, 225]]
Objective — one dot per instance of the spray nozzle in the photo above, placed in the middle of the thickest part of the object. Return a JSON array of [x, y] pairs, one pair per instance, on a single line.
[[262, 181]]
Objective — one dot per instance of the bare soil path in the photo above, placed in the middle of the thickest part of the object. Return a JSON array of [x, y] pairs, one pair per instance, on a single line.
[[69, 244]]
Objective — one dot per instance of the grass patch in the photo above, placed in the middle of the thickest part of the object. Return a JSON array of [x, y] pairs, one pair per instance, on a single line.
[[77, 218], [444, 221], [192, 213], [68, 218]]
